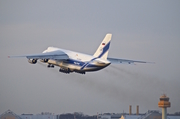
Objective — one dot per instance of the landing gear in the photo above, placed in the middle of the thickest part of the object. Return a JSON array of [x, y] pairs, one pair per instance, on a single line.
[[67, 71], [50, 66], [82, 72]]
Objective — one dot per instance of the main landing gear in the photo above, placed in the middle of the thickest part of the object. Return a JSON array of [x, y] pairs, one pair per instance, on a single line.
[[50, 66], [67, 71]]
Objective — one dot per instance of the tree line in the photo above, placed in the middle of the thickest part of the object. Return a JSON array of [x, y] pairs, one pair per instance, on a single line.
[[76, 115]]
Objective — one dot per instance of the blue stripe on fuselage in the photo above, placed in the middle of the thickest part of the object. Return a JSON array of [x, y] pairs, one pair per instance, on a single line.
[[105, 49], [83, 64], [87, 63]]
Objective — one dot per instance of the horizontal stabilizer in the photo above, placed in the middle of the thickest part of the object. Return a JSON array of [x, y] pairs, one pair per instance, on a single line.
[[125, 61]]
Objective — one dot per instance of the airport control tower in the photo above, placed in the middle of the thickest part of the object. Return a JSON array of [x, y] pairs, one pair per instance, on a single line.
[[164, 103]]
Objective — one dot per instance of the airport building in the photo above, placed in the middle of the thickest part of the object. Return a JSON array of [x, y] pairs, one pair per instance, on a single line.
[[11, 115], [38, 116], [151, 114]]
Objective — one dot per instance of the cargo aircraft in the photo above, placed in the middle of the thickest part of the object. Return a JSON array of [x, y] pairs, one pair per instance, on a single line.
[[70, 61]]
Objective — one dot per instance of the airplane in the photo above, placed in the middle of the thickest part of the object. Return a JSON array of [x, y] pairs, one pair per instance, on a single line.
[[70, 61]]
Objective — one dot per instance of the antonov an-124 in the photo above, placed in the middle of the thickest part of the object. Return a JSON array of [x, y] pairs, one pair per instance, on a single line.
[[70, 61]]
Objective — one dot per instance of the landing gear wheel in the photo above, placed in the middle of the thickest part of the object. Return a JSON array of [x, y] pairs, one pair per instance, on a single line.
[[50, 66]]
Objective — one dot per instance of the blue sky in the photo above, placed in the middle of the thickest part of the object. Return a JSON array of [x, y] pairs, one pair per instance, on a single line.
[[142, 30]]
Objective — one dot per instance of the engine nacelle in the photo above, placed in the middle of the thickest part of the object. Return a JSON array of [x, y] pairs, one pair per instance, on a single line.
[[44, 60], [32, 61]]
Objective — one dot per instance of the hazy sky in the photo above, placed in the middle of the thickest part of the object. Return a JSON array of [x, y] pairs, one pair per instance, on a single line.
[[142, 30]]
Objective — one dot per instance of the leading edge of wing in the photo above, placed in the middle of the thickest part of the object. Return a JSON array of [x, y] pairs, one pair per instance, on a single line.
[[120, 61], [56, 55]]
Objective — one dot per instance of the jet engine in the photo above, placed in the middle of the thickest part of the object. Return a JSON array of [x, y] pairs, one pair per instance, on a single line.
[[32, 61], [44, 60]]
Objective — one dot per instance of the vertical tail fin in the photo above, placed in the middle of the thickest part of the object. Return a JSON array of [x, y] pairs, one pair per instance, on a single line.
[[103, 49]]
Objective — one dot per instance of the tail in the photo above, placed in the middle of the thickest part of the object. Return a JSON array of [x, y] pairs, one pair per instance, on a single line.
[[103, 49]]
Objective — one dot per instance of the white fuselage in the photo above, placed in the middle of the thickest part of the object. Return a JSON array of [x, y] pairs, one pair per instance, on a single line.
[[78, 62], [70, 61]]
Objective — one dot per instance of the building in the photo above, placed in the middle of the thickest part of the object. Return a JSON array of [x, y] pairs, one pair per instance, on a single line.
[[130, 116], [45, 115], [9, 115], [151, 114]]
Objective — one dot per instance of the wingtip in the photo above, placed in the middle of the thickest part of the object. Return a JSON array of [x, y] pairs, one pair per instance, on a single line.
[[151, 62]]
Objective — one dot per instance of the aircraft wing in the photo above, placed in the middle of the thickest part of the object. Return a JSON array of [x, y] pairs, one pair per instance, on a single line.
[[124, 61], [56, 55]]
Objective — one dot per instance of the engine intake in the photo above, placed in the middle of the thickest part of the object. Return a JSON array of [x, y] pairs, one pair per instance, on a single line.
[[44, 60], [32, 61]]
